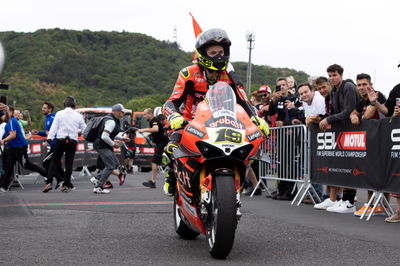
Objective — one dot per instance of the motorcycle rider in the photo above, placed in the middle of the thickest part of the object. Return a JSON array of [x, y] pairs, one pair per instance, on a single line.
[[212, 51]]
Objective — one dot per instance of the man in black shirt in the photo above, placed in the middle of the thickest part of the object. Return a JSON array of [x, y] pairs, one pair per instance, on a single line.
[[388, 107], [344, 99], [160, 140], [364, 108]]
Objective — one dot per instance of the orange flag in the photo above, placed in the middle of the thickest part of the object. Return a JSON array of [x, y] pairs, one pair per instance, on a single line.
[[196, 27]]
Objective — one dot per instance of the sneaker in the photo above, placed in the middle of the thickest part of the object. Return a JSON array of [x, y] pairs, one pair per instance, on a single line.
[[47, 188], [379, 211], [336, 205], [121, 177], [395, 218], [362, 209], [345, 207], [99, 190], [67, 188], [108, 185], [325, 204], [94, 181], [71, 186], [149, 184], [3, 189], [59, 185]]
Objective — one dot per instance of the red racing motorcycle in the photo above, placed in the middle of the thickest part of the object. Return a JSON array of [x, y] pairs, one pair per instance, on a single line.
[[210, 164]]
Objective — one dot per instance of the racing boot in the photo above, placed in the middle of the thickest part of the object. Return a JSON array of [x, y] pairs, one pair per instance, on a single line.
[[169, 184]]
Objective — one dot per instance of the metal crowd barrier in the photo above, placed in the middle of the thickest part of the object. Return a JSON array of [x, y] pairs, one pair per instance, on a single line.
[[285, 157]]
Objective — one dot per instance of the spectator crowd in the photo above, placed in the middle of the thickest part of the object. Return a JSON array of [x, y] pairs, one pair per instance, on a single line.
[[327, 101]]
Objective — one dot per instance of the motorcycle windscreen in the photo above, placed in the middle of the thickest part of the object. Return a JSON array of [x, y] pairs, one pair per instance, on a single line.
[[222, 101], [224, 127]]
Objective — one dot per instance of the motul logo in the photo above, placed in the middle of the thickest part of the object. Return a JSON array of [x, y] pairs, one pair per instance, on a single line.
[[353, 140]]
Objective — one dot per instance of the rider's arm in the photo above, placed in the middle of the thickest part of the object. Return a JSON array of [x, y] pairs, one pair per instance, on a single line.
[[178, 96]]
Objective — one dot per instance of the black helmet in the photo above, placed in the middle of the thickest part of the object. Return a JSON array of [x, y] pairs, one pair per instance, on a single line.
[[70, 102], [208, 38]]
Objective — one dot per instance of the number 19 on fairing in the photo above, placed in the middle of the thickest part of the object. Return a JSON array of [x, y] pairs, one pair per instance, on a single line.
[[229, 135]]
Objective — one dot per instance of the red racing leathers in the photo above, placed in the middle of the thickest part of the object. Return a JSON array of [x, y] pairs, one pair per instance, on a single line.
[[191, 88]]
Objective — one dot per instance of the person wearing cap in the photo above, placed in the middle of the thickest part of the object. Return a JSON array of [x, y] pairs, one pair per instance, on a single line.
[[265, 93], [106, 140], [64, 130]]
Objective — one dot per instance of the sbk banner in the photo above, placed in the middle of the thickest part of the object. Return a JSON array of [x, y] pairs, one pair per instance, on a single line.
[[390, 154], [348, 155]]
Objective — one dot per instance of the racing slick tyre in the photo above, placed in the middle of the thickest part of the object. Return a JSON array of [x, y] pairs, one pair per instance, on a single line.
[[223, 221]]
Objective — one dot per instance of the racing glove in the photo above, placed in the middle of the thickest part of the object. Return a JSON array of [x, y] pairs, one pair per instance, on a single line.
[[176, 121], [262, 125]]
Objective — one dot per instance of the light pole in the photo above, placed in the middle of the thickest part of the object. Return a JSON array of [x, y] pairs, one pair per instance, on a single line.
[[251, 37]]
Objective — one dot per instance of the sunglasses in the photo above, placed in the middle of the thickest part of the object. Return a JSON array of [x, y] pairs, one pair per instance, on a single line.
[[262, 95]]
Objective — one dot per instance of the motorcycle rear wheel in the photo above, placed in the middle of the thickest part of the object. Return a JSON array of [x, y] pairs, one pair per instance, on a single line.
[[223, 221], [180, 227]]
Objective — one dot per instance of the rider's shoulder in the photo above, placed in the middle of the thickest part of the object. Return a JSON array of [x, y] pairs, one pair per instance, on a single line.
[[190, 71]]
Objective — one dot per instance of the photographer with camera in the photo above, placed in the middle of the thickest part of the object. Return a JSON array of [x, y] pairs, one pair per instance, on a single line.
[[289, 111], [288, 107]]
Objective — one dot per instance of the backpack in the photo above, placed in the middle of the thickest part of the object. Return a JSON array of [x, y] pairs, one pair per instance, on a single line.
[[92, 128]]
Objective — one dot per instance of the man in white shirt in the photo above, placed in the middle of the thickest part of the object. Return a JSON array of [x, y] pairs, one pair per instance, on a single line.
[[313, 102], [66, 126], [314, 107]]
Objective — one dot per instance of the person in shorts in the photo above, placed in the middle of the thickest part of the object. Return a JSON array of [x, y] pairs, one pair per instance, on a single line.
[[159, 139]]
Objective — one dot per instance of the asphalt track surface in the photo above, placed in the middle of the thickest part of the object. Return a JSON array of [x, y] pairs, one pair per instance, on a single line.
[[133, 225]]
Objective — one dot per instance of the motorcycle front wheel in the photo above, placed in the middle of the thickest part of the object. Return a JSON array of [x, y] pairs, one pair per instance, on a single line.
[[223, 221]]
